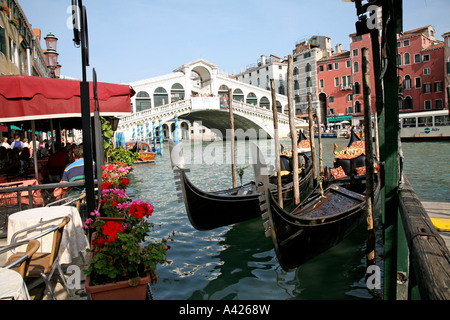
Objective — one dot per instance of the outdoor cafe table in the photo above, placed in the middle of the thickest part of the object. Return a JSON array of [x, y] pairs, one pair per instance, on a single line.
[[10, 199], [12, 286], [73, 242]]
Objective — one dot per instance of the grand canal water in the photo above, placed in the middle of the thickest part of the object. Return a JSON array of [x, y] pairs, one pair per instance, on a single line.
[[238, 262]]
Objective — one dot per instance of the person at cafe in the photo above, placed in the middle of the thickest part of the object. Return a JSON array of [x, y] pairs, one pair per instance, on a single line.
[[5, 143], [11, 164], [17, 143], [56, 163], [73, 172]]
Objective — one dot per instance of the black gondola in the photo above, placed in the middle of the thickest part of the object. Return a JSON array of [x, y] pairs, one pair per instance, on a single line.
[[320, 222], [210, 210]]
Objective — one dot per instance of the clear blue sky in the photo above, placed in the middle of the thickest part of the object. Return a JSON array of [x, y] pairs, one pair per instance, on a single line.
[[137, 39]]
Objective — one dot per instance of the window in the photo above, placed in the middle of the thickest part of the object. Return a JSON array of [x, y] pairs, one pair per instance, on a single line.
[[355, 52], [418, 83], [349, 110], [308, 67], [407, 58], [143, 101], [426, 87], [321, 84], [400, 103], [399, 44], [426, 57], [296, 85], [344, 81], [330, 99], [336, 82], [406, 43], [356, 67], [407, 82], [349, 98], [331, 112], [356, 88], [439, 104], [357, 107], [440, 120], [308, 82], [307, 55], [348, 64], [329, 66], [2, 41], [424, 121], [438, 86], [321, 68], [408, 103], [417, 58], [428, 104], [336, 66], [399, 59], [426, 71], [409, 122]]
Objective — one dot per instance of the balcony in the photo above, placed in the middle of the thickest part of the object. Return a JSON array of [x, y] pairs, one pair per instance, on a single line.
[[346, 87]]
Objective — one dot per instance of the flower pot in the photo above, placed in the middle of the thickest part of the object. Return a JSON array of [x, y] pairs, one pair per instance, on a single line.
[[122, 290], [117, 219]]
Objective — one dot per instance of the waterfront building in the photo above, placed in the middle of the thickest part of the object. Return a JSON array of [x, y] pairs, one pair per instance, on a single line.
[[446, 37], [334, 75], [260, 73], [422, 74], [20, 48], [305, 55]]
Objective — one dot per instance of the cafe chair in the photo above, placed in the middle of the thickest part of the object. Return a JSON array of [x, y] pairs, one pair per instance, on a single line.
[[21, 261], [44, 265]]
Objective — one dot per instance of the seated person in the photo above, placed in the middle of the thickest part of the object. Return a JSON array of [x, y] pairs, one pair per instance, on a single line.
[[73, 172], [54, 169]]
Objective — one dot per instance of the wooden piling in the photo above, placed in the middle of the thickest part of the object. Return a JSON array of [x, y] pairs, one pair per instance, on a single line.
[[311, 139], [293, 129], [233, 157], [370, 250], [277, 143]]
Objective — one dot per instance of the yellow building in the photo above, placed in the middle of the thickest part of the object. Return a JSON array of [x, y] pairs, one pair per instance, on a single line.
[[20, 49]]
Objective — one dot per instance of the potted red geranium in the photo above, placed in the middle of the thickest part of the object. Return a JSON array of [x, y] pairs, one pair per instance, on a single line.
[[121, 260]]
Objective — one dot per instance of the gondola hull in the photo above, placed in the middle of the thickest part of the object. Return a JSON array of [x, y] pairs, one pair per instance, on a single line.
[[317, 225], [210, 210]]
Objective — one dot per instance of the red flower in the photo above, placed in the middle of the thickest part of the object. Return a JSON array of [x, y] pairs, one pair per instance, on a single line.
[[125, 181], [111, 229], [105, 185], [137, 211]]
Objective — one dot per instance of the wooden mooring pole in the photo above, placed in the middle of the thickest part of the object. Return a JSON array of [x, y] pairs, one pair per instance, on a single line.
[[277, 143], [311, 138], [233, 157], [293, 130], [370, 250]]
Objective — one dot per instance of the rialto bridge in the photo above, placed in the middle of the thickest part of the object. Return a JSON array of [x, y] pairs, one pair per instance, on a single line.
[[195, 95]]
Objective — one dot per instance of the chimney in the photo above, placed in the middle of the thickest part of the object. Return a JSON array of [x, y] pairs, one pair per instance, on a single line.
[[263, 60], [339, 48]]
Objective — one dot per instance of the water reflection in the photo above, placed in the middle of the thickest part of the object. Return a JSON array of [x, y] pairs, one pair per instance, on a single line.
[[238, 262]]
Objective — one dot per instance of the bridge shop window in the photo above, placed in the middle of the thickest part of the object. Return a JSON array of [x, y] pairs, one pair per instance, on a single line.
[[161, 97], [251, 98], [177, 93], [143, 101]]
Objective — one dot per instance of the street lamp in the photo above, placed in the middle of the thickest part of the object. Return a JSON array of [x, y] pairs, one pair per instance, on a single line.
[[51, 41]]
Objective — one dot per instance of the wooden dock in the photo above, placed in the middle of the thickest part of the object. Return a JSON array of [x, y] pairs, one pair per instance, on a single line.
[[439, 213]]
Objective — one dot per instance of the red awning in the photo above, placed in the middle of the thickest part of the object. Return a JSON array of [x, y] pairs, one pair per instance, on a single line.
[[34, 98]]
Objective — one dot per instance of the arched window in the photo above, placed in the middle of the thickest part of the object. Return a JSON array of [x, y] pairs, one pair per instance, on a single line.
[[408, 103], [356, 67], [407, 58], [161, 97], [251, 99], [308, 82], [238, 95], [177, 93], [357, 88], [357, 107], [143, 101], [264, 103], [296, 85], [308, 67], [407, 82], [295, 71], [400, 103]]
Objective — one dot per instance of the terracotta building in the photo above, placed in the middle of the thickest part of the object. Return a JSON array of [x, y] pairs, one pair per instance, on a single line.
[[423, 75]]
